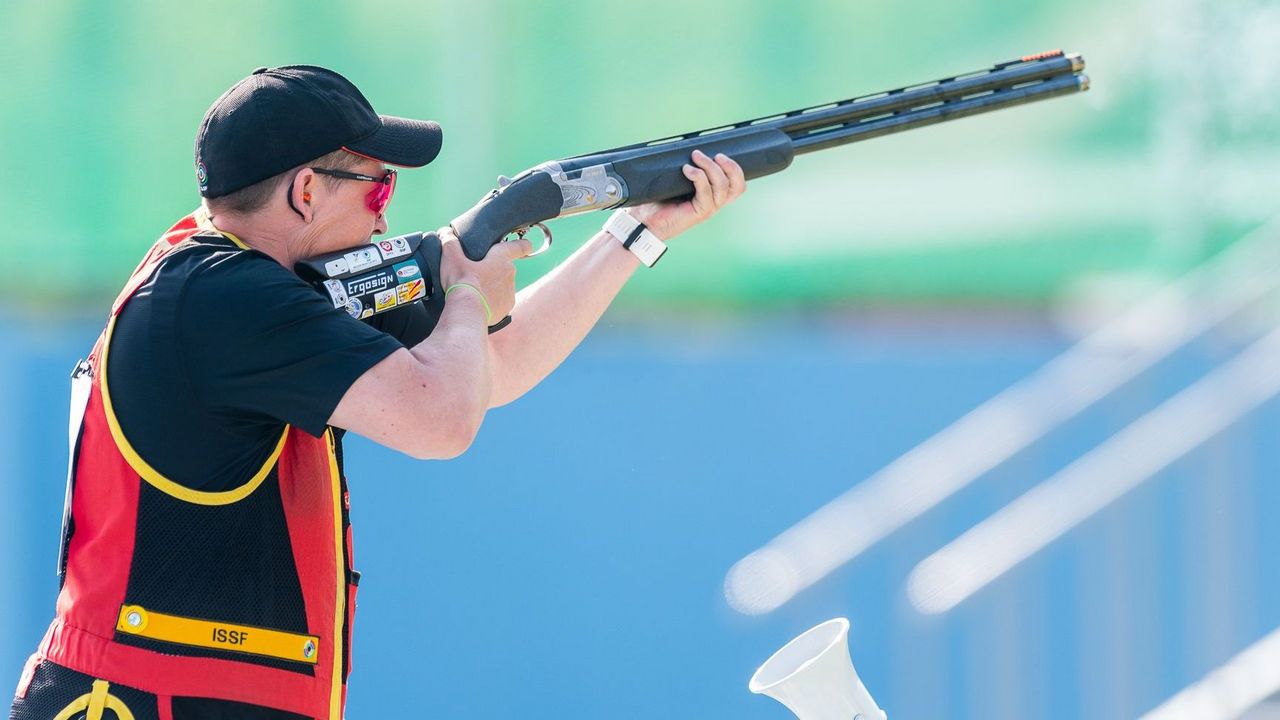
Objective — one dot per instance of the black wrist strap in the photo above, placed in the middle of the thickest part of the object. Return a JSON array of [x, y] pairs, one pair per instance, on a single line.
[[640, 227]]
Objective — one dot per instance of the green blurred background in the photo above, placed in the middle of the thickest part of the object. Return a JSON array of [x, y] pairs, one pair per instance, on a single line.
[[921, 275], [1167, 158]]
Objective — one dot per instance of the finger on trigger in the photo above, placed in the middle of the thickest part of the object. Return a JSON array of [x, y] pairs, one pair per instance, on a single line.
[[519, 248]]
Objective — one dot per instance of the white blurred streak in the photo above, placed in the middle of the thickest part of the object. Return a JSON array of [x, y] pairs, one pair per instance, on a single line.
[[994, 431], [1247, 64], [1179, 129], [1230, 690], [1097, 479]]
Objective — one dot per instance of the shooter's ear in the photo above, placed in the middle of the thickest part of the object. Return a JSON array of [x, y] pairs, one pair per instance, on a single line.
[[298, 193]]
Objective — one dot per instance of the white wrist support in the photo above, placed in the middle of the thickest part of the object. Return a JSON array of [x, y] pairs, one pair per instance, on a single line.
[[635, 237]]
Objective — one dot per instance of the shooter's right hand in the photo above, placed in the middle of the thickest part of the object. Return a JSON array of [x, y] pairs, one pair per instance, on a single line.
[[495, 275]]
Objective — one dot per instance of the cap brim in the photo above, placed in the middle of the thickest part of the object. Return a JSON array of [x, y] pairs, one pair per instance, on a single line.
[[401, 141]]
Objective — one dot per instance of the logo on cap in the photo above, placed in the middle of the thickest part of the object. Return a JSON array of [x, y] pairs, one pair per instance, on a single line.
[[202, 176]]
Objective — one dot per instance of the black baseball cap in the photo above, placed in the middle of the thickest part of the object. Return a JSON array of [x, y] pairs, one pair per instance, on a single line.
[[279, 118]]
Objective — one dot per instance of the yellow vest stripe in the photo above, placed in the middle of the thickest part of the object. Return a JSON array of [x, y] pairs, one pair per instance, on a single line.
[[151, 475], [335, 696], [136, 620], [204, 222]]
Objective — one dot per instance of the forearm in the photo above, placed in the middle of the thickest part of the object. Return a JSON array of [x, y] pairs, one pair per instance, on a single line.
[[555, 313], [456, 352], [427, 401]]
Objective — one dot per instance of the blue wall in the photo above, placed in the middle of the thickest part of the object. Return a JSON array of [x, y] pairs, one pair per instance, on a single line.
[[570, 565]]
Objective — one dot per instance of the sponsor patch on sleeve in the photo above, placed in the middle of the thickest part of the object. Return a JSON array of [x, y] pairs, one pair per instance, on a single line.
[[393, 248], [366, 257], [370, 282], [410, 291], [407, 270], [336, 267], [385, 299], [337, 293]]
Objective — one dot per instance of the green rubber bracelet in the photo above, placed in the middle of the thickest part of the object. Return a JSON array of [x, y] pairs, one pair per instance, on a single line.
[[488, 314]]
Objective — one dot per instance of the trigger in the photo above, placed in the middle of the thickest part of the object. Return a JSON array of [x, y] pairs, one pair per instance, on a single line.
[[546, 238]]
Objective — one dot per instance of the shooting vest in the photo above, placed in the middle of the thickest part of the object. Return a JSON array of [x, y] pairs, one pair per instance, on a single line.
[[244, 595]]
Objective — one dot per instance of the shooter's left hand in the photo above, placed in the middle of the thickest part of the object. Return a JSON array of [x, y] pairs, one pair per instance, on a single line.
[[716, 182]]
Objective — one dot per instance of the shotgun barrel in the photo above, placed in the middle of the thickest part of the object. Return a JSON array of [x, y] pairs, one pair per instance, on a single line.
[[933, 113], [1027, 74]]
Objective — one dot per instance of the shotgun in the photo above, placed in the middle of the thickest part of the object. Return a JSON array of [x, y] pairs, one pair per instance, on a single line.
[[390, 273]]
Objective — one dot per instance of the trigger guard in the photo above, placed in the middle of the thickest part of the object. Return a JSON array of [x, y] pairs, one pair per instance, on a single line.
[[546, 239]]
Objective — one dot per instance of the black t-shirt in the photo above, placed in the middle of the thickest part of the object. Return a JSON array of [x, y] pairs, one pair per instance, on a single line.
[[222, 347]]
